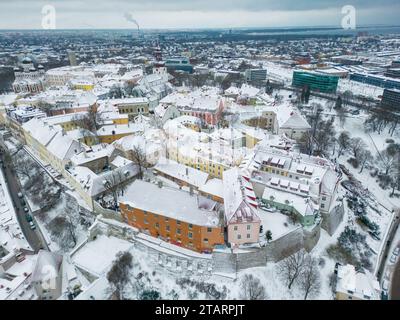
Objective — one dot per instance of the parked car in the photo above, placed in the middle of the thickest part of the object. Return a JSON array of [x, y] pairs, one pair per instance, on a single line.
[[374, 235], [20, 195], [26, 209], [396, 251], [268, 209], [28, 217], [33, 227], [23, 202], [393, 259], [385, 285]]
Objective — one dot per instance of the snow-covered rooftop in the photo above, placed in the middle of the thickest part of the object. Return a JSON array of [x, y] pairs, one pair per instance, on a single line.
[[169, 202], [362, 285], [239, 198], [181, 172]]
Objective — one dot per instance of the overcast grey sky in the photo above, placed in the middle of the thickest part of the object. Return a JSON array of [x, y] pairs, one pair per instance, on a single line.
[[26, 14]]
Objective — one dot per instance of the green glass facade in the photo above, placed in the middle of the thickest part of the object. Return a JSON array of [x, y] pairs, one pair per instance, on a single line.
[[315, 81]]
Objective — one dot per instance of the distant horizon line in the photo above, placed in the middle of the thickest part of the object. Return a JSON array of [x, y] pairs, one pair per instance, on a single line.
[[209, 28]]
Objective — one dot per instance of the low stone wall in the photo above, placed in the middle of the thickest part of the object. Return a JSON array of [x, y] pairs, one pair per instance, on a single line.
[[106, 213], [164, 257], [251, 259], [224, 262], [159, 255], [174, 262], [311, 237], [231, 262], [285, 246], [332, 220]]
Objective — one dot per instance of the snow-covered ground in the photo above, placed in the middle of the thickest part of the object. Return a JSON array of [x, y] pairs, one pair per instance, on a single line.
[[275, 222], [97, 256], [358, 88]]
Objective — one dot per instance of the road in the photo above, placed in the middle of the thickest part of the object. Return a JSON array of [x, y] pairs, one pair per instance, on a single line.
[[395, 290], [34, 238], [389, 241]]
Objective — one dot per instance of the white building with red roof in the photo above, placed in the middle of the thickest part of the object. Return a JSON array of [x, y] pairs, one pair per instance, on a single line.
[[241, 219]]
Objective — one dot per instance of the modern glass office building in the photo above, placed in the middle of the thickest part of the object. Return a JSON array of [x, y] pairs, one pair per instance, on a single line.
[[182, 64], [315, 81], [376, 80], [391, 99]]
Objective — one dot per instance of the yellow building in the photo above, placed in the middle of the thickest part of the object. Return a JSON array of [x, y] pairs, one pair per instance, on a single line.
[[82, 85], [111, 133], [68, 122], [210, 165], [50, 143], [131, 106]]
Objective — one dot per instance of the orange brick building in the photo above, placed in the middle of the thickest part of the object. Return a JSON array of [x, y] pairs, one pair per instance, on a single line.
[[172, 215]]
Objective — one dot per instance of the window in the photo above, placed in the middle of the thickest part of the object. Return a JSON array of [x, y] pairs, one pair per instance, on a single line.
[[239, 237], [157, 225], [248, 236], [145, 221], [322, 206], [178, 231], [323, 198], [209, 230], [178, 222], [190, 226], [248, 226], [190, 235], [166, 219], [167, 228], [235, 228], [205, 240]]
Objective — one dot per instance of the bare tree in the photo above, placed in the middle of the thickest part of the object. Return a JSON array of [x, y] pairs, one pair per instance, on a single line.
[[387, 160], [394, 173], [347, 97], [90, 121], [343, 142], [139, 158], [292, 267], [63, 232], [73, 218], [118, 276], [306, 143], [309, 280], [252, 289], [357, 146], [23, 165], [324, 136], [341, 113], [115, 183], [366, 157]]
